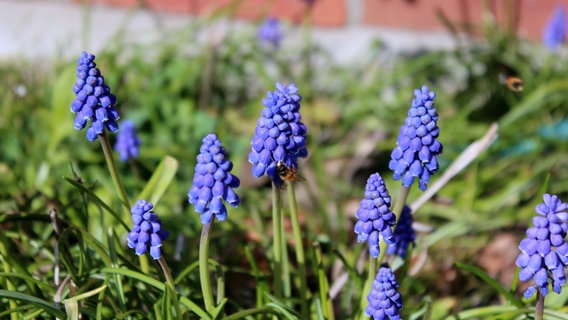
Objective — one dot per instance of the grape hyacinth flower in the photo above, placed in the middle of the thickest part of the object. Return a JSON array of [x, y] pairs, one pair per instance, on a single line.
[[384, 300], [375, 216], [213, 181], [147, 230], [404, 234], [270, 32], [127, 142], [555, 31], [544, 252], [417, 144], [93, 100], [279, 134]]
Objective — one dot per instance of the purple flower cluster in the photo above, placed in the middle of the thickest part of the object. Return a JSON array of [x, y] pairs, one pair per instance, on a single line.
[[555, 30], [270, 32], [384, 300], [417, 144], [404, 234], [544, 252], [375, 216], [93, 100], [213, 181], [279, 134], [127, 142], [147, 230]]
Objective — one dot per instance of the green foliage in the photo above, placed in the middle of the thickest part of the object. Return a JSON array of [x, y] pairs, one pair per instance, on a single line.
[[63, 223]]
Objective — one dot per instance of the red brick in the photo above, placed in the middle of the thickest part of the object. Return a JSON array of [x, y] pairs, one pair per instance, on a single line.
[[325, 12], [527, 17], [176, 6]]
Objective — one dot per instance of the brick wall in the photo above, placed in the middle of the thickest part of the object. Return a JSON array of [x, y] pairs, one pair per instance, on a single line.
[[527, 17]]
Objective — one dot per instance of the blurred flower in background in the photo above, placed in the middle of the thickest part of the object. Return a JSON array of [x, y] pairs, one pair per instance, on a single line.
[[544, 252], [127, 142], [147, 230], [375, 216], [213, 181], [404, 234], [93, 100], [417, 144], [270, 32], [555, 30]]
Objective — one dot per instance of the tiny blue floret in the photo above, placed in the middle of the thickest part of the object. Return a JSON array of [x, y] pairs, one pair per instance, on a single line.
[[213, 181], [544, 252], [384, 300], [417, 144], [375, 216], [147, 230], [279, 135], [93, 101]]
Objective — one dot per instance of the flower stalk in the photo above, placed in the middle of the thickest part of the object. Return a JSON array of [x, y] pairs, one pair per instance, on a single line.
[[111, 164], [204, 268], [300, 257], [278, 244]]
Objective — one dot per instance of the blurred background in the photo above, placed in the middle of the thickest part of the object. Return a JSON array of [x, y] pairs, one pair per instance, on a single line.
[[183, 68]]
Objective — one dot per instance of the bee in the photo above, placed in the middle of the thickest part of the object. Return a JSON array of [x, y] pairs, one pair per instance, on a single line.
[[287, 174], [509, 77]]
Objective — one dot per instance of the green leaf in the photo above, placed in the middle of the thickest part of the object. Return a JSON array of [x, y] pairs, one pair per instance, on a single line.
[[72, 304], [283, 308], [75, 271], [46, 306], [97, 200], [160, 180], [158, 285], [492, 282], [61, 99]]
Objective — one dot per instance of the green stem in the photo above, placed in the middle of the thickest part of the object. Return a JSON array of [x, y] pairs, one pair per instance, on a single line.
[[326, 302], [371, 275], [539, 310], [204, 268], [249, 312], [107, 150], [7, 269], [300, 257], [400, 201], [277, 245], [171, 284], [286, 281]]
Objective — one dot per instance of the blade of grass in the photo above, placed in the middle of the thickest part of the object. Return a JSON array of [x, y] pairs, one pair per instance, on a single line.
[[97, 200], [492, 282], [160, 180], [158, 285], [46, 306]]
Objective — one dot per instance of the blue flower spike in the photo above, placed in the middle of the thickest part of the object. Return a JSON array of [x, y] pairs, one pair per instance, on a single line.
[[404, 234], [417, 144], [544, 252], [270, 32], [554, 33], [375, 216], [279, 135], [147, 230], [213, 181], [384, 300], [127, 141], [93, 100]]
